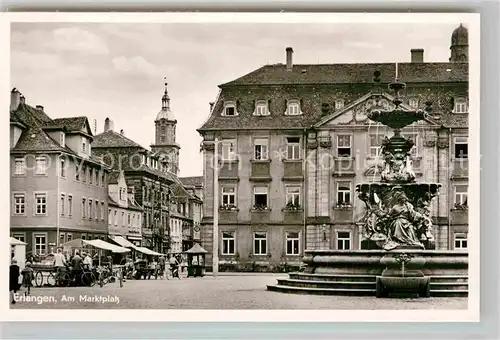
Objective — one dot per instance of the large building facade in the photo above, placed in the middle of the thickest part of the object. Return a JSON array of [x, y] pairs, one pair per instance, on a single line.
[[288, 144], [58, 186]]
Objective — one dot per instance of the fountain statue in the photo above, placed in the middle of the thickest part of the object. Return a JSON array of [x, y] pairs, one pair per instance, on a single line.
[[397, 209]]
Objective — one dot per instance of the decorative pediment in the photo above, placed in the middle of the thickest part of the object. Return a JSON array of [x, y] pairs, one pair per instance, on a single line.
[[356, 112]]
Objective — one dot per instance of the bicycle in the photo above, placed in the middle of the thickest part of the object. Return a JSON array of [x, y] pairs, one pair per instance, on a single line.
[[159, 273], [171, 273]]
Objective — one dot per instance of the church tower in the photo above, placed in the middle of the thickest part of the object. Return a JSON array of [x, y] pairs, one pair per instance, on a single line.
[[165, 143], [460, 45]]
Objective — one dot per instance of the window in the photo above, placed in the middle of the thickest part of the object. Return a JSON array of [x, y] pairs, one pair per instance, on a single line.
[[461, 193], [293, 195], [461, 147], [69, 237], [91, 175], [123, 218], [344, 193], [19, 204], [260, 197], [344, 146], [84, 207], [103, 179], [460, 105], [62, 199], [19, 166], [261, 109], [62, 238], [84, 237], [260, 149], [102, 211], [339, 104], [90, 209], [84, 173], [228, 196], [96, 211], [376, 144], [260, 243], [19, 237], [228, 149], [63, 167], [62, 139], [40, 166], [128, 216], [293, 108], [293, 148], [292, 243], [460, 241], [96, 179], [343, 240], [77, 172], [110, 221], [83, 146], [41, 204], [70, 205], [414, 138], [116, 217], [413, 103], [40, 244], [229, 109]]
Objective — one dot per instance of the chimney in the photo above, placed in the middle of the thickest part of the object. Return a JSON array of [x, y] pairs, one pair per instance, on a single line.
[[39, 107], [108, 125], [15, 99], [122, 132], [22, 99], [289, 62], [417, 55]]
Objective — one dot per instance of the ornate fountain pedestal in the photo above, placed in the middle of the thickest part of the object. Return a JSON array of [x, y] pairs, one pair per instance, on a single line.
[[403, 276]]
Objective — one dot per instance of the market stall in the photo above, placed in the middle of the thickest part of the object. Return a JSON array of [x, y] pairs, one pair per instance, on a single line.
[[196, 261], [18, 252]]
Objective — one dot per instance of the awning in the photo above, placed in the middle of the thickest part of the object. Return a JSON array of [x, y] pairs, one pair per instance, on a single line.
[[122, 242], [107, 246], [148, 251], [15, 242]]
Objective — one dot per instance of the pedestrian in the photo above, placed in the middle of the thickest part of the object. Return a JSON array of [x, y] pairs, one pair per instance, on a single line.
[[13, 280], [87, 261], [59, 261], [28, 277], [77, 264]]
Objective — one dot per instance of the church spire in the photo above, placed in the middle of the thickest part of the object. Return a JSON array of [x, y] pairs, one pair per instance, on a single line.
[[165, 100]]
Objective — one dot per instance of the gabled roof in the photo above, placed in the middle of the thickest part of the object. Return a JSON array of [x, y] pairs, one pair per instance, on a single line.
[[111, 139], [192, 181], [74, 124], [35, 139], [278, 74]]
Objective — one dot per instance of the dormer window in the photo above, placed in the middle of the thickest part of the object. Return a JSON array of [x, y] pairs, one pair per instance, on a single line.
[[229, 109], [460, 105], [261, 108], [413, 103], [293, 108]]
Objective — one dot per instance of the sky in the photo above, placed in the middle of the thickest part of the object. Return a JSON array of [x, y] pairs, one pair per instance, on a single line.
[[117, 70]]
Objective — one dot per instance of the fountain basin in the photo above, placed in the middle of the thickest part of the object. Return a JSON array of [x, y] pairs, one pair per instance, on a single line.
[[443, 273]]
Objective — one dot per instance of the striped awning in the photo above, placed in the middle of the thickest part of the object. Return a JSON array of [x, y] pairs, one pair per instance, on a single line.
[[122, 241]]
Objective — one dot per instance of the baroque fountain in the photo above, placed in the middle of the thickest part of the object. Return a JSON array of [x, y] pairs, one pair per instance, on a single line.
[[401, 259]]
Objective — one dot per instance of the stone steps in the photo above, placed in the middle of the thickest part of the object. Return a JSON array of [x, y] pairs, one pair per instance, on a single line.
[[361, 285]]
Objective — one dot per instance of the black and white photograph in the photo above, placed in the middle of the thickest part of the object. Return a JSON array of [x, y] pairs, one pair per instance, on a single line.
[[166, 164]]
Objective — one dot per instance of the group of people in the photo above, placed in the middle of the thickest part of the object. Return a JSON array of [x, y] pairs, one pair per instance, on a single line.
[[27, 278]]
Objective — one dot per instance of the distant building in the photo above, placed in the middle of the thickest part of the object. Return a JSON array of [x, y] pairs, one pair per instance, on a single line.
[[58, 186], [294, 140], [194, 186], [167, 225], [124, 214]]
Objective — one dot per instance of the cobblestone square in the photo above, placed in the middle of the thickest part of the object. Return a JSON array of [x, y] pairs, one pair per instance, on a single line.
[[227, 291]]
